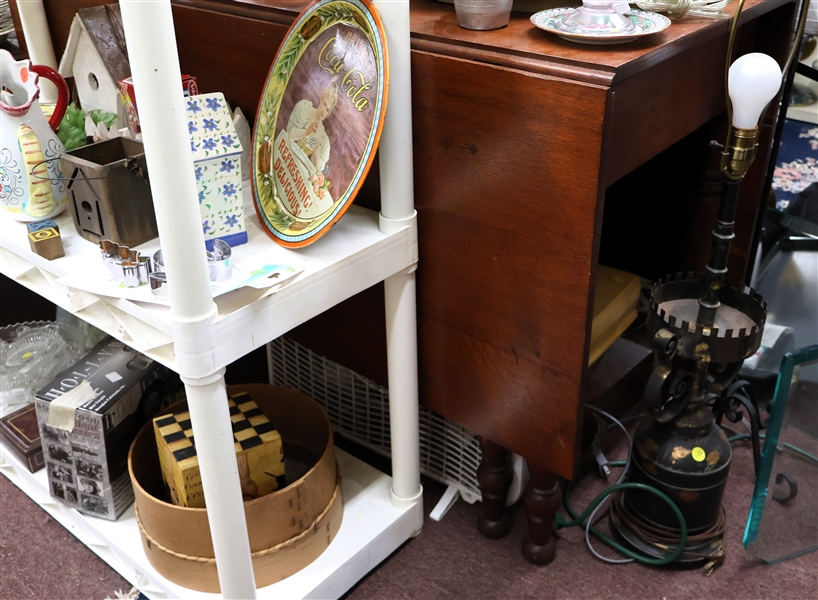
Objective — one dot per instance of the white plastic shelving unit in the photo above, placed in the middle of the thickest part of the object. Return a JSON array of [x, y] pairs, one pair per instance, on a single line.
[[198, 337]]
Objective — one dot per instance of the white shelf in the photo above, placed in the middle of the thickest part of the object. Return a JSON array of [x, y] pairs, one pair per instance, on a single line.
[[362, 249], [372, 529], [352, 257]]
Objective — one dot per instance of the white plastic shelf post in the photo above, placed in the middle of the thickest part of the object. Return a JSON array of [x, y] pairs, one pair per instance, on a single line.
[[155, 68], [38, 41], [397, 211]]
